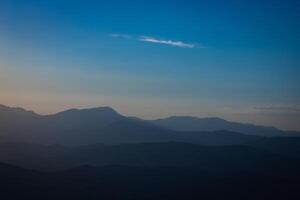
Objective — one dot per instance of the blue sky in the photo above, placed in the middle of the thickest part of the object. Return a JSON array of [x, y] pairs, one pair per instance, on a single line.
[[234, 59]]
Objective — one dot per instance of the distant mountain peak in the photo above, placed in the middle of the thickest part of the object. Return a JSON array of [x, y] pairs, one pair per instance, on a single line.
[[3, 107], [20, 110], [96, 110], [104, 109]]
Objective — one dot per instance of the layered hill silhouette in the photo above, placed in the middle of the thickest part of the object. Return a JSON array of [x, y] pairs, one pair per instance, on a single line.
[[262, 155], [150, 171], [105, 125], [98, 153], [123, 182]]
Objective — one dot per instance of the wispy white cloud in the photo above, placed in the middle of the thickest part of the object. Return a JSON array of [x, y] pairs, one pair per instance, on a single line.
[[279, 108], [166, 42], [149, 39]]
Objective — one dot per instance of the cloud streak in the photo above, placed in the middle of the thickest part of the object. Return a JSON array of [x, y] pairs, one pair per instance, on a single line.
[[279, 108], [149, 39], [166, 42]]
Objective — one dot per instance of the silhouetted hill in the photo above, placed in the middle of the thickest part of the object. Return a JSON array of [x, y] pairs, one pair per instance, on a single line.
[[7, 112], [185, 123], [286, 146], [77, 118], [171, 154], [184, 155], [221, 137], [98, 125], [135, 183]]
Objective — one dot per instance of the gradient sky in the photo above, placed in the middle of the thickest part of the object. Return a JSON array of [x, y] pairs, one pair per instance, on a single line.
[[233, 59]]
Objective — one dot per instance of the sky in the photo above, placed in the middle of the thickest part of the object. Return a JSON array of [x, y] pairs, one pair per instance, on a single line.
[[238, 60]]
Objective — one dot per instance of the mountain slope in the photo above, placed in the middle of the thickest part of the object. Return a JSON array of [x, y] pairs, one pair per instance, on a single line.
[[184, 123]]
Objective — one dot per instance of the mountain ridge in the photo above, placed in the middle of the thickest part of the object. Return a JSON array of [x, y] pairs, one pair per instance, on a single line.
[[105, 125], [189, 123]]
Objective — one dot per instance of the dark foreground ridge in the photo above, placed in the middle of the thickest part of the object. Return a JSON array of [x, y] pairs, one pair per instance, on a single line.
[[152, 171], [265, 154], [122, 182]]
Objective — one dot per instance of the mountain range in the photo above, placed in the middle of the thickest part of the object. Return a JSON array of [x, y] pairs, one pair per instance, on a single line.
[[105, 125], [98, 153]]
